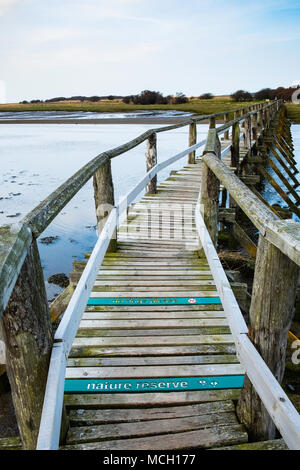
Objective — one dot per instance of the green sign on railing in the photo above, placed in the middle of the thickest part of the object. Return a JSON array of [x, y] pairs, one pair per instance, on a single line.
[[133, 301], [73, 386]]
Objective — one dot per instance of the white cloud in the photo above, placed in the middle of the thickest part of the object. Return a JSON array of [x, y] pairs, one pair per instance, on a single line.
[[5, 5]]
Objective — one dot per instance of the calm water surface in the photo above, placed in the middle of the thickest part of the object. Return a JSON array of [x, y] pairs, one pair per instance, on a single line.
[[36, 159]]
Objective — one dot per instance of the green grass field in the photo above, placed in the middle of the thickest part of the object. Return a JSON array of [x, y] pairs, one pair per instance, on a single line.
[[293, 112], [200, 107], [196, 106]]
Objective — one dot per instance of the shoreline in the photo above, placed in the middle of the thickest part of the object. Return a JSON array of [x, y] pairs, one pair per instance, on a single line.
[[101, 121], [146, 121]]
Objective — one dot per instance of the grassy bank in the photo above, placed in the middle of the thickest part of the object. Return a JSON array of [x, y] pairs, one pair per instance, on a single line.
[[293, 112], [196, 106]]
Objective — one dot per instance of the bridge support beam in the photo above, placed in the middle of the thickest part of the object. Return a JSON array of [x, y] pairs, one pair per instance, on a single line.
[[210, 188], [192, 141], [151, 161], [271, 314], [27, 332], [104, 199]]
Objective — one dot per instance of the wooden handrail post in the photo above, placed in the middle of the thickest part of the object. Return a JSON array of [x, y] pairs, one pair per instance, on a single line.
[[192, 141], [210, 188], [151, 161], [212, 123], [260, 120], [27, 332], [271, 313], [235, 146], [226, 119], [247, 132], [254, 126], [104, 199]]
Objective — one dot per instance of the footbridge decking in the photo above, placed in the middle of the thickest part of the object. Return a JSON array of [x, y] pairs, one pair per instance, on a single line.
[[153, 352], [161, 351]]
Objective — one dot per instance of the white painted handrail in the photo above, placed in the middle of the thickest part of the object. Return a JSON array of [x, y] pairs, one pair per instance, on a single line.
[[49, 432], [280, 408]]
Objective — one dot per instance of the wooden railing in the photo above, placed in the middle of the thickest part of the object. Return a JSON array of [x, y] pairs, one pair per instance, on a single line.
[[23, 303], [263, 404]]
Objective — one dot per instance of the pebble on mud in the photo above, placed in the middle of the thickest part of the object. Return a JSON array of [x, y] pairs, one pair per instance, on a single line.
[[49, 240], [60, 280]]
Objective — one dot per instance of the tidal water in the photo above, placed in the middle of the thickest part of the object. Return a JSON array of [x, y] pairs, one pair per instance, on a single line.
[[54, 115], [37, 158]]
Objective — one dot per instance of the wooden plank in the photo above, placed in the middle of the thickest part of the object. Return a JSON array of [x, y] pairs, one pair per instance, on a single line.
[[200, 370], [154, 294], [205, 315], [148, 274], [222, 435], [144, 263], [137, 400], [121, 254], [89, 418], [154, 341], [154, 308], [144, 280], [106, 432], [141, 351], [152, 324], [277, 444], [184, 287], [151, 360], [208, 330]]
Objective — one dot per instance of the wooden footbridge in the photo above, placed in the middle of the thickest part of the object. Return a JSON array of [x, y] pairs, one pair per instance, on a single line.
[[153, 352]]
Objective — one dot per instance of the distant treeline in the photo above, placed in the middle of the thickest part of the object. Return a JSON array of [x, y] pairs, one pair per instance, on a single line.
[[155, 97], [148, 97], [279, 93], [93, 99]]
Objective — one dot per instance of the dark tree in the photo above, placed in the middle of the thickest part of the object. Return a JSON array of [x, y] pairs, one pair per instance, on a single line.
[[206, 96], [242, 95], [180, 98], [264, 94]]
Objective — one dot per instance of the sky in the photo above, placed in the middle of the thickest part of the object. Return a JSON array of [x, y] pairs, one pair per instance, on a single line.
[[51, 48]]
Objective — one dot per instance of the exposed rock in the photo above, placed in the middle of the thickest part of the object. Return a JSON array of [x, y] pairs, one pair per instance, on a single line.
[[49, 240], [59, 279]]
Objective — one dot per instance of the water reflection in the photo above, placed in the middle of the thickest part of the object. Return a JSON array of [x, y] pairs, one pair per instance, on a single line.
[[37, 158]]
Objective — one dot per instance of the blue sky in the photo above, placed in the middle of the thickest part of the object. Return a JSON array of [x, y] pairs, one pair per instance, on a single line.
[[97, 47]]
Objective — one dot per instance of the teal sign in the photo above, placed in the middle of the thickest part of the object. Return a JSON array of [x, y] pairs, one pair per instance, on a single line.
[[133, 301], [73, 386]]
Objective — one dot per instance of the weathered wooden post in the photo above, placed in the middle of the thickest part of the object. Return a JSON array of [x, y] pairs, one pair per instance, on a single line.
[[212, 123], [271, 313], [104, 199], [27, 332], [226, 133], [192, 141], [254, 126], [210, 188], [151, 161], [235, 146], [260, 121], [247, 132]]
